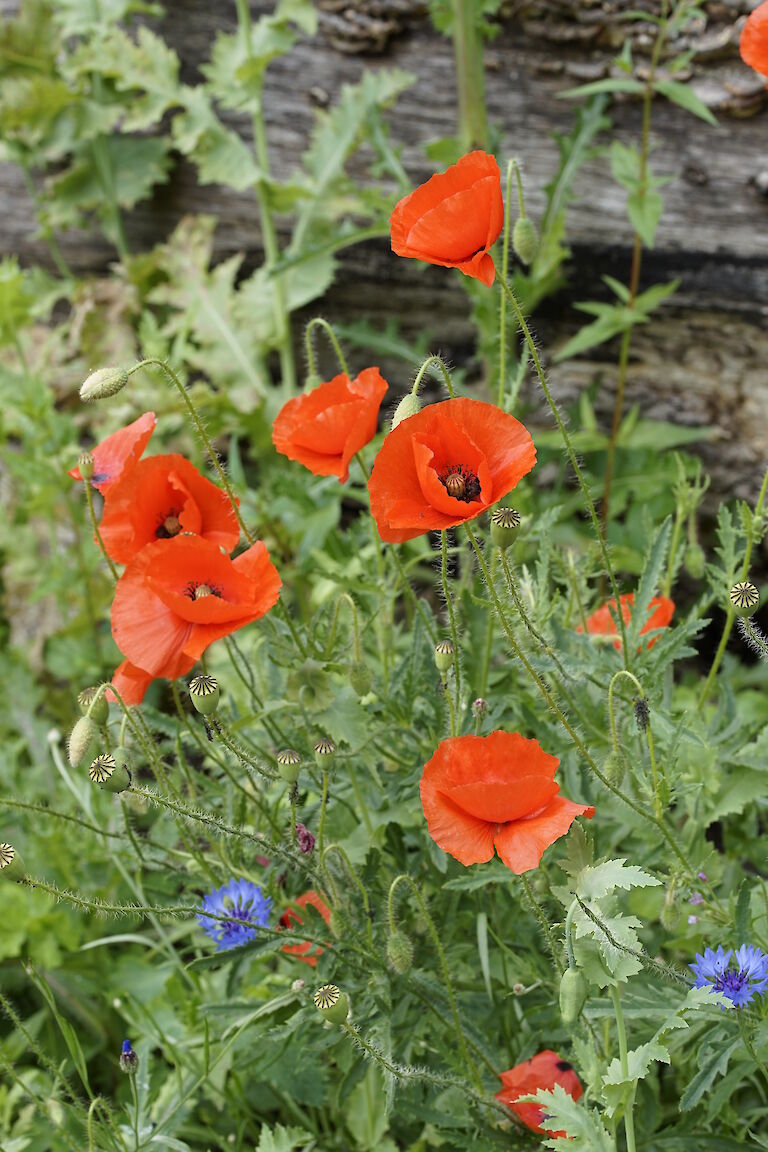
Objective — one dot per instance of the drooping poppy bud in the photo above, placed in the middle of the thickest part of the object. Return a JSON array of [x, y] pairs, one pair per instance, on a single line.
[[694, 561], [399, 952], [104, 382], [408, 406], [82, 741], [86, 464], [525, 239], [573, 995], [360, 677]]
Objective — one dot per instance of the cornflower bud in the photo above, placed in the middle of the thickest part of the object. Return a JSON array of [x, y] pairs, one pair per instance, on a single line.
[[325, 750], [11, 864], [444, 653], [525, 239], [573, 995], [82, 741], [408, 406], [108, 774], [99, 713], [204, 691], [332, 1003], [104, 382], [86, 464], [744, 598], [479, 708], [505, 523], [129, 1061], [288, 763], [400, 952]]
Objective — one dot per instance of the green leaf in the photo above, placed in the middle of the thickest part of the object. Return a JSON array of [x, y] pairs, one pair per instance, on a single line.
[[366, 1112], [625, 164], [579, 850], [684, 95], [68, 1032], [644, 207], [602, 879], [144, 65], [609, 84], [281, 1139], [564, 1114], [649, 300], [219, 154], [613, 319], [713, 1062]]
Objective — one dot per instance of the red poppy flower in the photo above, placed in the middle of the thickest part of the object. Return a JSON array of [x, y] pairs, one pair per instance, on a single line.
[[177, 596], [116, 456], [325, 427], [603, 621], [131, 682], [754, 40], [160, 498], [481, 793], [306, 950], [445, 465], [454, 218], [543, 1070]]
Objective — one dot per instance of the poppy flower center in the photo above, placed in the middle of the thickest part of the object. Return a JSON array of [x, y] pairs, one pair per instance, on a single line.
[[461, 483], [197, 591], [169, 527]]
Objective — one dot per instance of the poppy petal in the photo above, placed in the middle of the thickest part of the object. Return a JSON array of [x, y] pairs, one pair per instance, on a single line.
[[131, 682], [521, 843], [497, 801], [753, 44], [115, 456]]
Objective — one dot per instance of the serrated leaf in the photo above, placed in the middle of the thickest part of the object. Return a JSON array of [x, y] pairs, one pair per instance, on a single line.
[[219, 154], [144, 65], [602, 879], [564, 1114], [713, 1062], [579, 850], [281, 1139]]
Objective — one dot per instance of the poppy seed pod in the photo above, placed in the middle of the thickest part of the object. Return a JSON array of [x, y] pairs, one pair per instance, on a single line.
[[104, 382], [399, 952], [525, 239], [505, 523], [332, 1004], [408, 406], [325, 750], [98, 712], [204, 694], [86, 464], [444, 653], [82, 741], [744, 598], [360, 677], [573, 995], [107, 773], [288, 765], [694, 561], [11, 864]]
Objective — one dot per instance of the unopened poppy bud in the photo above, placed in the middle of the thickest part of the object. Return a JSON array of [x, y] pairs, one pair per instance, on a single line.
[[400, 952], [204, 693], [99, 711], [444, 653], [573, 995], [332, 1003], [613, 768], [525, 239], [479, 707], [129, 1061], [288, 765], [86, 464], [82, 741], [11, 864], [325, 750], [360, 677], [744, 598], [104, 382], [694, 561], [305, 840], [109, 774], [671, 913], [505, 523], [408, 406], [642, 713]]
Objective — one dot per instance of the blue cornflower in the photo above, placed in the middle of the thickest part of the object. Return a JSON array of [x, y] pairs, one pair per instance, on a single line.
[[741, 982], [242, 900], [128, 1058]]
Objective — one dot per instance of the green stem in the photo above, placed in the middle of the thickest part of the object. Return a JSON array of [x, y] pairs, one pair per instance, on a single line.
[[97, 534], [468, 53], [511, 166], [135, 1098], [629, 1122], [344, 598], [452, 621], [428, 363], [319, 322], [362, 806], [212, 453], [538, 912], [569, 934], [323, 806], [571, 454], [515, 593]]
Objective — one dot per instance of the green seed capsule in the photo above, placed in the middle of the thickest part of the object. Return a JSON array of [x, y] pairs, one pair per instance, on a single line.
[[444, 653], [11, 864], [86, 464], [110, 773], [400, 952], [332, 1003], [744, 598], [288, 765], [525, 239], [99, 712], [204, 694], [505, 523], [83, 741], [325, 750], [573, 995]]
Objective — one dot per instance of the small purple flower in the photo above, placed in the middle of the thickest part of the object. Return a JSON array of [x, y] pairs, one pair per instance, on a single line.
[[241, 900], [693, 919], [305, 839], [741, 980], [702, 876], [696, 898]]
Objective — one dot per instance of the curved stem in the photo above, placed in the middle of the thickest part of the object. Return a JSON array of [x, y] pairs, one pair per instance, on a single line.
[[319, 322], [444, 371]]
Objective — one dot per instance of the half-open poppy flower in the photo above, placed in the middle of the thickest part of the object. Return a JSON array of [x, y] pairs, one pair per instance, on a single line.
[[445, 465], [496, 792], [324, 428], [543, 1070], [754, 39], [160, 498], [603, 621], [454, 218], [116, 456], [177, 596], [306, 950]]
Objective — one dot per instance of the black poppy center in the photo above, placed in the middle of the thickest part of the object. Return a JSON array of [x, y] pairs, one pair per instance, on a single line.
[[563, 1066], [169, 526], [461, 483]]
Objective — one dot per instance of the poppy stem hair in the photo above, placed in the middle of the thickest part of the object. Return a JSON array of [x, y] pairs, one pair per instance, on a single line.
[[438, 363], [319, 322], [571, 454], [97, 534], [649, 735], [194, 417]]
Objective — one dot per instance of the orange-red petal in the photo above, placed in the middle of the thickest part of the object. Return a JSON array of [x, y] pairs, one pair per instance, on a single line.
[[602, 622], [305, 950], [542, 1071], [521, 843], [753, 44], [131, 682], [115, 456]]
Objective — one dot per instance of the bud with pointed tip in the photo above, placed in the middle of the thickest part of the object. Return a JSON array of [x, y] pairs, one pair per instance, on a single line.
[[288, 765], [11, 864], [129, 1061], [360, 677], [444, 653], [204, 692], [82, 741], [332, 1003], [109, 773], [408, 406], [505, 523], [104, 382], [98, 711], [525, 239], [400, 952]]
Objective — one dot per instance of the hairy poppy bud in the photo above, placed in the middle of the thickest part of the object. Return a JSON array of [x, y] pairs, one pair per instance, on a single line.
[[11, 864], [360, 677], [505, 523], [325, 750], [104, 382], [204, 694], [744, 598], [129, 1061], [613, 768], [109, 774], [408, 406], [444, 653], [82, 741], [399, 952], [98, 712], [332, 1003], [288, 765], [694, 561], [525, 239], [86, 464], [573, 995], [671, 913]]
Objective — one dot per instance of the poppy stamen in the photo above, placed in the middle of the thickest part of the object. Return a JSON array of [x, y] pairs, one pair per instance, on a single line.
[[461, 483], [197, 590], [169, 526]]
